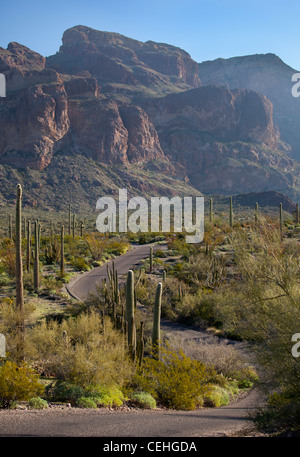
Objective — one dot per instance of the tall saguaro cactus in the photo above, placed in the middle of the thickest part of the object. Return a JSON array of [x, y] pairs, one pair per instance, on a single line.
[[19, 264], [129, 316], [10, 234], [28, 251], [74, 225], [256, 212], [19, 275], [36, 273], [280, 220], [62, 254], [156, 321], [151, 259], [69, 219], [210, 210], [230, 213]]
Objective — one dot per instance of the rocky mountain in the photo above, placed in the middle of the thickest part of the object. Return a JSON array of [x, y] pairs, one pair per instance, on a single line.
[[127, 68], [268, 75], [107, 111], [225, 139]]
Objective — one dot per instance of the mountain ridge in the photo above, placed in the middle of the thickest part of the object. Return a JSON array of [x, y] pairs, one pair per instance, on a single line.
[[123, 103]]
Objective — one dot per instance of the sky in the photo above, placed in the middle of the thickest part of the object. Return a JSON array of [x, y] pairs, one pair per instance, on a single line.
[[206, 29]]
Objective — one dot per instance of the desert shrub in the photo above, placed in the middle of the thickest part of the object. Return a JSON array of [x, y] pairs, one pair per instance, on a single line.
[[281, 416], [8, 257], [17, 383], [108, 395], [144, 400], [175, 380], [118, 247], [37, 403], [64, 392], [86, 402], [226, 359], [80, 264], [218, 396], [82, 350], [96, 243]]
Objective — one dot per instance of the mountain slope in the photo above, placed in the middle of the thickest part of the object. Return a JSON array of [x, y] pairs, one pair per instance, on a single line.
[[107, 111], [268, 75]]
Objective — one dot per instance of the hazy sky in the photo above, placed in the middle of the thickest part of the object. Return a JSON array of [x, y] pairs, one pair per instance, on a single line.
[[206, 29]]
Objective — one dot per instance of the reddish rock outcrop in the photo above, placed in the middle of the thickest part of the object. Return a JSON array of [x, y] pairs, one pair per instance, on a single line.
[[33, 121], [18, 56], [112, 57]]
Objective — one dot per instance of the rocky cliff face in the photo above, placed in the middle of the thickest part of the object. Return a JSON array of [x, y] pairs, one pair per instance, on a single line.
[[224, 138], [115, 59], [268, 75], [118, 102]]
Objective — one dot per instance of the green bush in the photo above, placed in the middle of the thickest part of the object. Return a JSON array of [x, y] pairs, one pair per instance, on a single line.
[[38, 403], [86, 402], [175, 380], [17, 383], [217, 397], [108, 396], [144, 400], [64, 392], [80, 264], [88, 356]]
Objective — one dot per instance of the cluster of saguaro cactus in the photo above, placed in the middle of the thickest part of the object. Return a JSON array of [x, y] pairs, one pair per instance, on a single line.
[[112, 294], [52, 251]]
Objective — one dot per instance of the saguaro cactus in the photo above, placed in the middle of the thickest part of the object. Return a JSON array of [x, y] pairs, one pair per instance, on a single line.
[[156, 321], [210, 210], [256, 212], [19, 265], [280, 219], [297, 213], [74, 225], [151, 259], [230, 213], [10, 227], [69, 219], [36, 273], [28, 251], [62, 255], [19, 275], [130, 311]]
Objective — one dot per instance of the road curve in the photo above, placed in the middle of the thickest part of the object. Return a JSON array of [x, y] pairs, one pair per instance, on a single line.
[[76, 422], [80, 287]]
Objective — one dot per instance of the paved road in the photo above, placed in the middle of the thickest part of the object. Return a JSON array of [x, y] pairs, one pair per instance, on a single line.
[[76, 422], [85, 283]]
